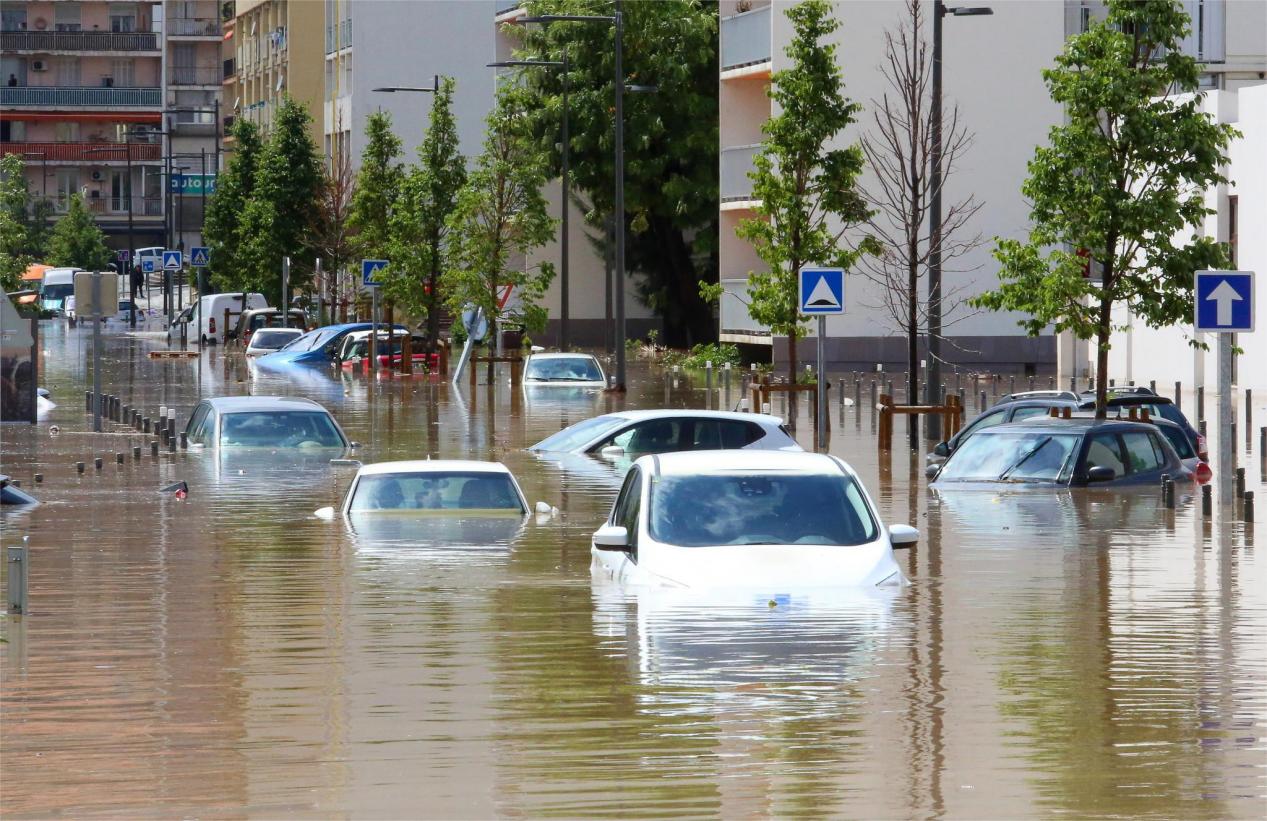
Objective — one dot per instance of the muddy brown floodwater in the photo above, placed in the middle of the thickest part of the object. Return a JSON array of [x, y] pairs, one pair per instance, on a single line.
[[230, 655]]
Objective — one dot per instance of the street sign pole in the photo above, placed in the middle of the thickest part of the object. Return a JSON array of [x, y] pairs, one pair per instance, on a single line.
[[821, 293], [1227, 447], [285, 306], [821, 393], [373, 346], [1223, 303], [96, 351]]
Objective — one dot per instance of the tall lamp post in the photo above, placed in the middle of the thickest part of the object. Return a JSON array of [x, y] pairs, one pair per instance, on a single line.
[[617, 21], [564, 301], [940, 10]]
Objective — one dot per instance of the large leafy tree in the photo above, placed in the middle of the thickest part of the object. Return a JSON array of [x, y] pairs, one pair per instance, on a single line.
[[234, 188], [13, 231], [419, 226], [807, 191], [277, 221], [1118, 182], [499, 217], [77, 240], [671, 171]]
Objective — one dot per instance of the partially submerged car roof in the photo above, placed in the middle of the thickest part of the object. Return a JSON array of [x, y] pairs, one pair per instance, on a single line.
[[680, 463], [433, 466], [243, 404], [672, 413], [1077, 424]]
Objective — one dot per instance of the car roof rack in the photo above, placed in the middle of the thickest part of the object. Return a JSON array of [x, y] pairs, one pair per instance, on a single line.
[[1051, 394]]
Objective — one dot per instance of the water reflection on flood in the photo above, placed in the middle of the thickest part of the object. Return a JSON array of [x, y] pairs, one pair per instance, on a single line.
[[1084, 653]]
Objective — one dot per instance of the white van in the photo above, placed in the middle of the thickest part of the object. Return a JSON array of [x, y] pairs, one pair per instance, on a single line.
[[205, 317], [58, 284]]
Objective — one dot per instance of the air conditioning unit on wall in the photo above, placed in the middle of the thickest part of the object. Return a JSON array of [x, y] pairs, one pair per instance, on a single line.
[[98, 174], [39, 65]]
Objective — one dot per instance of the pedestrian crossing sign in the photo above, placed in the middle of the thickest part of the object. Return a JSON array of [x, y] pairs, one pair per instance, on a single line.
[[200, 256], [822, 291]]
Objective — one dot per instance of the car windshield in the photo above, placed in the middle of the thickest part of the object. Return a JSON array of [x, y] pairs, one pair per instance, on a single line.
[[433, 490], [580, 434], [1012, 456], [563, 369], [359, 348], [759, 508], [57, 291], [310, 341], [280, 429], [271, 339]]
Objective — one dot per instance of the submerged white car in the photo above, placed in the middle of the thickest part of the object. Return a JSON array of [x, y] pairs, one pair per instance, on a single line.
[[739, 518], [571, 370], [433, 486], [664, 431]]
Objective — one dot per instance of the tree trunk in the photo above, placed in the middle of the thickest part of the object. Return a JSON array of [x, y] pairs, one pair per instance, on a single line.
[[433, 298], [687, 318], [1102, 351], [912, 348]]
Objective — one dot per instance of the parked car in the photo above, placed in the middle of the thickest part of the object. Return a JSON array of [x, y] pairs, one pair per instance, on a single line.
[[275, 422], [11, 495], [662, 431], [573, 370], [1179, 440], [267, 340], [205, 318], [252, 319], [355, 351], [432, 487], [317, 347], [747, 519], [1122, 400], [1062, 452]]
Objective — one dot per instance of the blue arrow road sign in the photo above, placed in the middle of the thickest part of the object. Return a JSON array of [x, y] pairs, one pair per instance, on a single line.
[[370, 267], [171, 260], [822, 291], [147, 265], [1224, 301], [200, 256]]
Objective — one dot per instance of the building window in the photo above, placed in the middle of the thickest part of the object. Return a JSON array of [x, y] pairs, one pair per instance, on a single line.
[[122, 17], [123, 73], [67, 71], [67, 184], [120, 189], [66, 132], [13, 19], [66, 17]]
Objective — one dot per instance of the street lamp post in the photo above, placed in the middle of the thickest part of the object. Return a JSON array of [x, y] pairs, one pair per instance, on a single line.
[[933, 376], [564, 301]]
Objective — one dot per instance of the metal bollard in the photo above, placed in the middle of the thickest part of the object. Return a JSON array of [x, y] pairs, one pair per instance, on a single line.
[[1051, 383], [1207, 500], [87, 401], [857, 397], [708, 378], [1179, 396], [154, 449], [171, 444], [1247, 510], [136, 452], [1240, 483], [1201, 427], [1200, 402], [96, 463], [1152, 385], [39, 477], [1112, 383], [1249, 414], [725, 378], [981, 406], [1167, 491], [1073, 384], [874, 397], [1262, 443], [1011, 384], [17, 559], [79, 466], [1031, 383], [145, 425], [184, 441], [118, 458]]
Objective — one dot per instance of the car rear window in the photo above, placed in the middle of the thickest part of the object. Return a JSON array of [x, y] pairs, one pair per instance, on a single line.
[[1178, 440], [432, 490], [271, 338]]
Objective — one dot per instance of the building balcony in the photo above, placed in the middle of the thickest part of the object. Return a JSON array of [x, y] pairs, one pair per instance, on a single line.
[[106, 206], [736, 163], [79, 97], [78, 41], [84, 153], [193, 27], [196, 76], [746, 39]]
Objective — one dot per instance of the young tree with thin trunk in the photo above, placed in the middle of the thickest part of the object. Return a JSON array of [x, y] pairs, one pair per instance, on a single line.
[[899, 151], [14, 256], [808, 192], [499, 217], [1119, 181], [77, 240], [419, 229], [334, 224], [234, 188]]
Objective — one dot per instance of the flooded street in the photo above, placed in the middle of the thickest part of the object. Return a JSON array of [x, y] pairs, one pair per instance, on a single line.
[[228, 655]]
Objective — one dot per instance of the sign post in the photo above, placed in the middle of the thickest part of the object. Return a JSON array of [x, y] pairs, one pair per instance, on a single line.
[[369, 268], [822, 294], [90, 290], [1224, 304], [285, 306]]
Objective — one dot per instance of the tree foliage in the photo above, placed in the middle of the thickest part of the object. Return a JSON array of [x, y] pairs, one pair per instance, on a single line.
[[14, 256], [234, 189], [76, 239], [807, 192], [419, 229], [276, 221], [377, 188], [499, 217], [1121, 179], [671, 138]]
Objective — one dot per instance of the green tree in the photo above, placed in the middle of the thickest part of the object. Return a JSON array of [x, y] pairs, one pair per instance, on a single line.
[[13, 230], [277, 220], [1118, 181], [234, 188], [419, 227], [671, 139], [77, 240], [499, 217], [377, 188], [808, 192]]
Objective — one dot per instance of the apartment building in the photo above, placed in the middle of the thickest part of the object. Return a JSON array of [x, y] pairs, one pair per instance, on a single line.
[[992, 69], [99, 97], [276, 48]]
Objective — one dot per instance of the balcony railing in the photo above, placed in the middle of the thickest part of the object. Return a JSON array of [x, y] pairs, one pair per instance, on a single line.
[[196, 76], [193, 27], [106, 205], [80, 97], [745, 38], [733, 309], [80, 152], [736, 162], [78, 41]]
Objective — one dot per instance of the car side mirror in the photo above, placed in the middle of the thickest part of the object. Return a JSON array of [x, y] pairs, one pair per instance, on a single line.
[[1100, 473], [930, 472], [942, 449], [903, 536], [326, 513], [611, 537], [612, 452]]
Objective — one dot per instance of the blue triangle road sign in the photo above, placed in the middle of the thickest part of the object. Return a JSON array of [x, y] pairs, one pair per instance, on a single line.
[[822, 291], [171, 260], [370, 267], [200, 256]]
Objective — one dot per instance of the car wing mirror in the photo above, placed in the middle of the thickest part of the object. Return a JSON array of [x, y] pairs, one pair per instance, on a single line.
[[612, 452], [931, 471], [611, 537], [942, 449], [903, 536], [1100, 473], [326, 513]]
